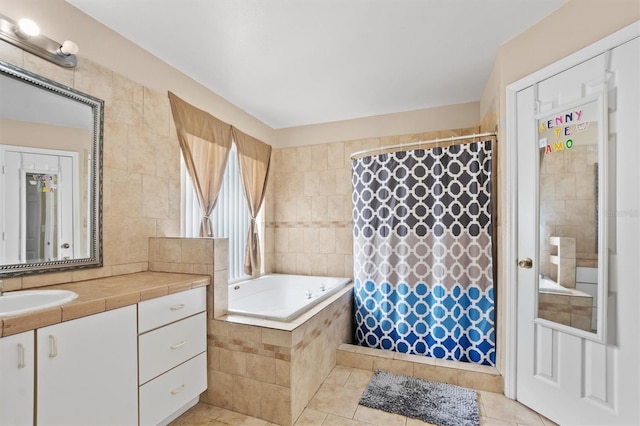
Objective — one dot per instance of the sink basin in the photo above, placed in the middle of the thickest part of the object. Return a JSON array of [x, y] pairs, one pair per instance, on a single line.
[[21, 302]]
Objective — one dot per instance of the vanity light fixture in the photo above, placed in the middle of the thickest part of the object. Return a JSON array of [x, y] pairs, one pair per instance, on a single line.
[[26, 35]]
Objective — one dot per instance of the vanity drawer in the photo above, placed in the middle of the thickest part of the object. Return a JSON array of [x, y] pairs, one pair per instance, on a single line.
[[166, 394], [166, 309], [166, 347]]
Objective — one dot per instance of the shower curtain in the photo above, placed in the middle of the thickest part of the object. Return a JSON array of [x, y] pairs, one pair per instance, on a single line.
[[423, 252]]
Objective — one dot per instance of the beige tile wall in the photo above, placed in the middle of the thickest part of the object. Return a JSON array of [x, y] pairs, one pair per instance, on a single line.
[[568, 205], [141, 179], [571, 310], [308, 216], [249, 368], [206, 256]]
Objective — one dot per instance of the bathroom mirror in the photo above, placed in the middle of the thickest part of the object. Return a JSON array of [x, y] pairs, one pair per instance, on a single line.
[[571, 197], [50, 188]]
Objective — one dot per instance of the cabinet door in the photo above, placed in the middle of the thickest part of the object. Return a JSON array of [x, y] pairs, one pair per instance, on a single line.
[[16, 379], [87, 370]]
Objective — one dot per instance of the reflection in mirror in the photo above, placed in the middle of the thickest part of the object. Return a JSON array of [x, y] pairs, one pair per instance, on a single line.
[[41, 217], [570, 284], [50, 151]]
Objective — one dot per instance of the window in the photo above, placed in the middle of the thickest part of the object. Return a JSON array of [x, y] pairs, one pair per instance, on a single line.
[[230, 218]]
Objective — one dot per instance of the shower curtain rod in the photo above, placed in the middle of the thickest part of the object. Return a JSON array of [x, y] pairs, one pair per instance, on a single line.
[[437, 140]]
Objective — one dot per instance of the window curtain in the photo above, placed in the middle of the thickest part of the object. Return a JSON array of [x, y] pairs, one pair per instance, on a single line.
[[254, 158], [205, 142]]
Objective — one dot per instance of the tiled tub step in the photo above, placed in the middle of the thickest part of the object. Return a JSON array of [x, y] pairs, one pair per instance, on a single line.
[[478, 377]]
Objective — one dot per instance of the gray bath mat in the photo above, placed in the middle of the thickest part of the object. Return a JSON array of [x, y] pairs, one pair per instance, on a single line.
[[432, 402]]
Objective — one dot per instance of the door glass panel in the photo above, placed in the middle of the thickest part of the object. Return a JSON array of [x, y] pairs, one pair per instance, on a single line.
[[570, 146]]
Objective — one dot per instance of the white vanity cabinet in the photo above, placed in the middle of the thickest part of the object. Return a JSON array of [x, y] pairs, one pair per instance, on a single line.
[[17, 379], [172, 350], [87, 370]]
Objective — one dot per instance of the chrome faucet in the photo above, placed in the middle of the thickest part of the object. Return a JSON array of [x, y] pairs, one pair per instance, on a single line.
[[308, 294], [323, 287]]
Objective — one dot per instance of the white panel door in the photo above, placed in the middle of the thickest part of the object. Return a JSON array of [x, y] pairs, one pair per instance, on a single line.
[[87, 370], [570, 378]]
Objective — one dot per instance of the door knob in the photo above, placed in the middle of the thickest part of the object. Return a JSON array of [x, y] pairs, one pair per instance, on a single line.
[[525, 263], [65, 246]]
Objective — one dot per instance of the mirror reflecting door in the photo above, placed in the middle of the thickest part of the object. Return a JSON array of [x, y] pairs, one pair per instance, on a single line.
[[570, 190], [41, 199], [41, 216]]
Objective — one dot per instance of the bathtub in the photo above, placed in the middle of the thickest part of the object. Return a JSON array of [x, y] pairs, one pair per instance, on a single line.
[[281, 297], [546, 285]]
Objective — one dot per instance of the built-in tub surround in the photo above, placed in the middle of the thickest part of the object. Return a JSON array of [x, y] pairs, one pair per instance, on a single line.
[[271, 369], [563, 305]]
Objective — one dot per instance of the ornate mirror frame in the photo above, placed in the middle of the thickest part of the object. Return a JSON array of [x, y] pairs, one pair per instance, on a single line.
[[94, 222]]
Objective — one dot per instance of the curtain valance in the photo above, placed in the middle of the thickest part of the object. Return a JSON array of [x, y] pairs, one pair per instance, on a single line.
[[205, 142]]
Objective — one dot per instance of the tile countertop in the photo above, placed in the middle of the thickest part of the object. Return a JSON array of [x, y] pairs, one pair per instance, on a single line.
[[103, 294]]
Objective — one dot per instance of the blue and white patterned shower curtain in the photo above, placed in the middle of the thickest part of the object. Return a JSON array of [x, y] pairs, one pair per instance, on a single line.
[[423, 252]]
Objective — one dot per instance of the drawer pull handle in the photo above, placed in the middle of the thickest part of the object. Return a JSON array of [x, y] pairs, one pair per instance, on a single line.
[[177, 390], [177, 307], [21, 353], [177, 345], [53, 346]]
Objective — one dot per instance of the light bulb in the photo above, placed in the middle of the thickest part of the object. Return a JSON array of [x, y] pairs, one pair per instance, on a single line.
[[27, 28], [69, 48]]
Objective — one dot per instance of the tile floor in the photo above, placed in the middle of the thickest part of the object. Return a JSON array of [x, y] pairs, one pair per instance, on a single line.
[[336, 404]]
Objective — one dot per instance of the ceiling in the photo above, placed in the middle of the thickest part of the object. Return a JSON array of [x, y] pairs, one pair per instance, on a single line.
[[298, 62]]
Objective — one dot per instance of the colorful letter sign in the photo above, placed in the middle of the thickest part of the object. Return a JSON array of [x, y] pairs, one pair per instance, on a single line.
[[562, 130]]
